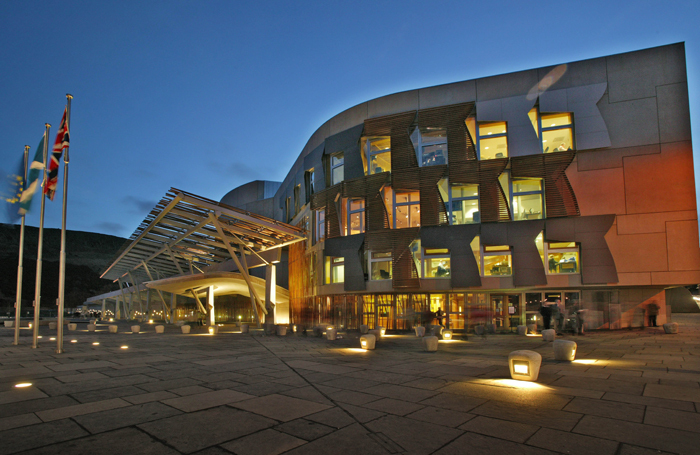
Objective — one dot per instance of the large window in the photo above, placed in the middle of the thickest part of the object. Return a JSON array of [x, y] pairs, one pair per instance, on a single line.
[[493, 140], [320, 225], [376, 154], [559, 257], [555, 130], [430, 145], [380, 266], [461, 202], [337, 168], [352, 216], [335, 270], [527, 199]]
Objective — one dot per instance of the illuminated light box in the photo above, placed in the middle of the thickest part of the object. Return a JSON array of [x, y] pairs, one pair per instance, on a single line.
[[524, 365]]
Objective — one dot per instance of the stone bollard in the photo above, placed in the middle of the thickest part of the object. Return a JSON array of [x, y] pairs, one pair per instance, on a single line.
[[524, 365], [331, 334], [185, 329], [564, 350], [549, 335], [9, 324], [91, 327], [364, 328], [522, 330], [72, 326], [436, 330], [671, 327], [368, 341], [245, 328], [420, 331], [113, 328], [135, 328], [479, 330], [532, 328], [430, 343], [160, 329], [281, 330], [54, 326]]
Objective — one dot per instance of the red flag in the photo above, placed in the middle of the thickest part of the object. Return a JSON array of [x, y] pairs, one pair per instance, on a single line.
[[61, 142]]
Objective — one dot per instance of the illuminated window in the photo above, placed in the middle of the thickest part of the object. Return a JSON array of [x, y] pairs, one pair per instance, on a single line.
[[497, 260], [555, 130], [493, 140], [406, 209], [320, 225], [380, 266], [436, 263], [337, 168], [527, 199], [352, 216], [335, 270], [461, 202], [376, 154], [430, 145]]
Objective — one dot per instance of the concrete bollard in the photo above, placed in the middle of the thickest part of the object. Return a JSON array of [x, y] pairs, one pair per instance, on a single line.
[[331, 334], [564, 350], [113, 328], [281, 330], [364, 328], [91, 327], [185, 329], [245, 328], [160, 329], [549, 335], [420, 331], [368, 341], [671, 327], [53, 325], [430, 343], [72, 326], [135, 328], [524, 365], [522, 330]]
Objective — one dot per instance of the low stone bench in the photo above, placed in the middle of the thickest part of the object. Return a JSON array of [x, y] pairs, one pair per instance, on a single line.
[[185, 329], [549, 335], [522, 330], [113, 328], [135, 328], [160, 329], [91, 327], [331, 334], [671, 327], [430, 343], [420, 331], [368, 341], [564, 350], [524, 365]]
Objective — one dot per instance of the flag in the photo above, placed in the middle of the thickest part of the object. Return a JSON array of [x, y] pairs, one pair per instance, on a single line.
[[61, 142], [33, 179], [13, 184]]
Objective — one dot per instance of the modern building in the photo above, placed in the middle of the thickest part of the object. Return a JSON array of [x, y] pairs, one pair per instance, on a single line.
[[486, 198], [476, 201]]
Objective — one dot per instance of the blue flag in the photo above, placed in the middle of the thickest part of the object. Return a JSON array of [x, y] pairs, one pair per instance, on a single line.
[[34, 179]]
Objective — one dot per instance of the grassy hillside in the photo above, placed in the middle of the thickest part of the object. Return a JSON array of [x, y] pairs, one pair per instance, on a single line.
[[87, 255]]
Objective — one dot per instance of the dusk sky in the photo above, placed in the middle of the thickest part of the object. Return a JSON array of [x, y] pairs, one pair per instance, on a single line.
[[207, 95]]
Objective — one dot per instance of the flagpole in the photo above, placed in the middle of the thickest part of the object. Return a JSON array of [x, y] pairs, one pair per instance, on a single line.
[[37, 288], [20, 268], [62, 266]]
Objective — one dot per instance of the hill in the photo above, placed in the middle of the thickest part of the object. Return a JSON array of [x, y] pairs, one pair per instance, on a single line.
[[87, 255]]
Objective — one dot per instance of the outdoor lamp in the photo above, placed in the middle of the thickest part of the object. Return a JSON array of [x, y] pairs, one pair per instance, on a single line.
[[524, 365]]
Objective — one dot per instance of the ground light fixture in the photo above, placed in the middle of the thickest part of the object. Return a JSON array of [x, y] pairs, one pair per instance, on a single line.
[[22, 385], [524, 365]]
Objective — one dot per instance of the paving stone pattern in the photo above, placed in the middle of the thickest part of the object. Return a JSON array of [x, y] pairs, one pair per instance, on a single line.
[[629, 392]]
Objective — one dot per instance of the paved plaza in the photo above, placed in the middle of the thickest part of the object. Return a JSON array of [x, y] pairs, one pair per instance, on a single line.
[[629, 392]]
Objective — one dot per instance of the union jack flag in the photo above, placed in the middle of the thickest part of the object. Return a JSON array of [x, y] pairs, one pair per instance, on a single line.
[[61, 142]]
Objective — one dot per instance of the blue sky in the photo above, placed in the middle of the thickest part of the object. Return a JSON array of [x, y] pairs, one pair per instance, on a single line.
[[207, 95]]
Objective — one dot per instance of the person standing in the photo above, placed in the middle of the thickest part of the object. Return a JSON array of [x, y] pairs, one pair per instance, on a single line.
[[653, 311]]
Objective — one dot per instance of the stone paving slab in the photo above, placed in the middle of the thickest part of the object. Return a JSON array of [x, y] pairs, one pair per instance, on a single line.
[[633, 393]]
